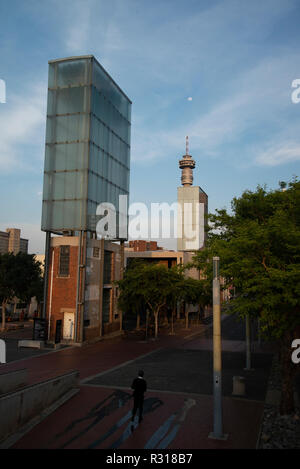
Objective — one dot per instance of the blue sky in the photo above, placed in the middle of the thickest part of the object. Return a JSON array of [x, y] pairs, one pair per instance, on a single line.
[[236, 59]]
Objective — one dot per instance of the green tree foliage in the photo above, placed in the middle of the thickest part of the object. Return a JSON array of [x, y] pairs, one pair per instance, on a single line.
[[153, 286], [145, 283], [258, 245], [20, 276], [130, 299], [204, 290]]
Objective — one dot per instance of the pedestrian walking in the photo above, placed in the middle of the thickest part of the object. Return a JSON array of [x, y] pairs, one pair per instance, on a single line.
[[139, 386]]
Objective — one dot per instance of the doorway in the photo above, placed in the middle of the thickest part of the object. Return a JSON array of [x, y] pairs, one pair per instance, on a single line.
[[68, 330]]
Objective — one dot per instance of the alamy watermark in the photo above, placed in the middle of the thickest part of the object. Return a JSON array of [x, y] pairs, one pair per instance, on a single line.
[[184, 220], [2, 351], [295, 96], [296, 353], [2, 92]]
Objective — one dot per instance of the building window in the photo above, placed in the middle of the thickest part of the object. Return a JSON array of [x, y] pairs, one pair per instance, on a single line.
[[107, 267], [96, 252], [106, 305], [64, 261]]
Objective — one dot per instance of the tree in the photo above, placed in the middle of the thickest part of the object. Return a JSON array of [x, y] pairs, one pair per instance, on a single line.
[[204, 267], [258, 245], [175, 294], [29, 282], [154, 286], [194, 292], [20, 276], [7, 282], [148, 284], [130, 299]]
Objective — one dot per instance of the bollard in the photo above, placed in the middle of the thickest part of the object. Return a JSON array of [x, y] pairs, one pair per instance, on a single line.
[[238, 386]]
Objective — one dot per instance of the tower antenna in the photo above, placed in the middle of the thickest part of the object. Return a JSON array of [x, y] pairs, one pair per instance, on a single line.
[[187, 164]]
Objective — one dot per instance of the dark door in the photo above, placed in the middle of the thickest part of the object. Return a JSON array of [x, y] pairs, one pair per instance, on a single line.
[[58, 327]]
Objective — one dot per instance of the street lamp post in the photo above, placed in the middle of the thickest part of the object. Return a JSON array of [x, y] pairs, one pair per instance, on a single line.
[[217, 355]]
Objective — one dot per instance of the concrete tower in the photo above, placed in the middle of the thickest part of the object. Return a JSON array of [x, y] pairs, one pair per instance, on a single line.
[[192, 207]]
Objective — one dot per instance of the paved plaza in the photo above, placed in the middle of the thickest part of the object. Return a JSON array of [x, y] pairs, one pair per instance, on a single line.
[[178, 408]]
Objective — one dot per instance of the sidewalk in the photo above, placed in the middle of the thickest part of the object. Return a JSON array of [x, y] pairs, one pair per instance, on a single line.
[[99, 416], [94, 358]]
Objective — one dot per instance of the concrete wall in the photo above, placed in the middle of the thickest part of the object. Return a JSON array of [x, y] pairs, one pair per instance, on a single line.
[[191, 218], [18, 408], [12, 380]]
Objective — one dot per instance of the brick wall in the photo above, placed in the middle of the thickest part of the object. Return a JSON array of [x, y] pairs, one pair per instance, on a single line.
[[63, 288], [140, 245]]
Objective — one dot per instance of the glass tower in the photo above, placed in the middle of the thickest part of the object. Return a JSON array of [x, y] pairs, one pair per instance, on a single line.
[[87, 157]]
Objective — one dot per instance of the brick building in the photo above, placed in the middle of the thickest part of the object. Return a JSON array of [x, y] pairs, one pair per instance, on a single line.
[[139, 245], [82, 314]]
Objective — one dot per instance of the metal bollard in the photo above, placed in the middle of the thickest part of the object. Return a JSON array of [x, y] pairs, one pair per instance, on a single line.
[[238, 386]]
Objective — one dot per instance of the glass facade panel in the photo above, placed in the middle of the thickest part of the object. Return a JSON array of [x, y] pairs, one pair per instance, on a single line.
[[70, 156], [72, 72], [87, 156]]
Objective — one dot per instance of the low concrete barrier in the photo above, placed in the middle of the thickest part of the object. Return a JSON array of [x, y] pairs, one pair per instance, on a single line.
[[31, 343], [18, 408], [12, 380]]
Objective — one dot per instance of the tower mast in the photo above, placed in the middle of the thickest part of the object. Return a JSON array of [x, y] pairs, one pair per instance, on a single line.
[[187, 164]]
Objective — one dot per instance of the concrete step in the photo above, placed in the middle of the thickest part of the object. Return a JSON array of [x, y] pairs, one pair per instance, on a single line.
[[31, 343]]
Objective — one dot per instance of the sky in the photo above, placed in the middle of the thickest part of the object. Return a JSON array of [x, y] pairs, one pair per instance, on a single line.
[[220, 72]]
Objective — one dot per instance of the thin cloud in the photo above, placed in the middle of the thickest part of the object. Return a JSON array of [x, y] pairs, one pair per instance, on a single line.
[[260, 97], [22, 124], [283, 153], [77, 28]]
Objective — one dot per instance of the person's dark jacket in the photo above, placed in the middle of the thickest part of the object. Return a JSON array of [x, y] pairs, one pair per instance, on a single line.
[[139, 386]]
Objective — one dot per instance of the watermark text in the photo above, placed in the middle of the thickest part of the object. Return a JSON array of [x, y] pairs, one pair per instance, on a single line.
[[2, 91], [296, 353], [296, 93], [2, 351]]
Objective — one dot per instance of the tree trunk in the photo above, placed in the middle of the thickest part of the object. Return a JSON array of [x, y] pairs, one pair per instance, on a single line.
[[178, 309], [172, 321], [186, 320], [156, 324], [147, 321], [166, 322], [138, 321], [288, 371], [258, 332], [199, 314], [3, 314]]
